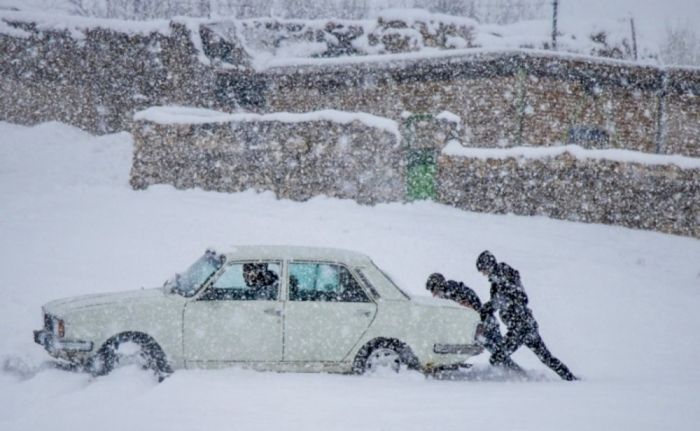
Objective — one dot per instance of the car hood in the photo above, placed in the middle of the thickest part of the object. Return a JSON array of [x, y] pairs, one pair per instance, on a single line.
[[63, 306]]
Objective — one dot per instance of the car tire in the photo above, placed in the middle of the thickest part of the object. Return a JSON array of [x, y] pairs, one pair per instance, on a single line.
[[130, 349], [388, 354]]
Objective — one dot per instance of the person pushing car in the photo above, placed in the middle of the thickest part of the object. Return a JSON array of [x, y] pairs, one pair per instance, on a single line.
[[490, 336], [509, 298]]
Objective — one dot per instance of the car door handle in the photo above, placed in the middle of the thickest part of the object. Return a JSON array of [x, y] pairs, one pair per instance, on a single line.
[[273, 311], [363, 313]]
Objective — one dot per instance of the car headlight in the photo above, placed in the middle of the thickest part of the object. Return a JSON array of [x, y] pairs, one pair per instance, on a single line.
[[60, 328]]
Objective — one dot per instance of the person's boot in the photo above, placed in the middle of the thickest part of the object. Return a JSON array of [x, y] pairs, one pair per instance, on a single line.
[[565, 374]]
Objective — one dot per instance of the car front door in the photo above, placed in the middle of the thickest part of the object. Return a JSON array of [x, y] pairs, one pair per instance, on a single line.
[[237, 318], [326, 312]]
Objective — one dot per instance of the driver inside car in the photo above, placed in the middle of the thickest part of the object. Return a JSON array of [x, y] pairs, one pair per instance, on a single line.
[[261, 282]]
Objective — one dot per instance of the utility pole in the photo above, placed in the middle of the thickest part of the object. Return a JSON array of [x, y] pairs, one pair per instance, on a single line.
[[555, 6], [634, 38]]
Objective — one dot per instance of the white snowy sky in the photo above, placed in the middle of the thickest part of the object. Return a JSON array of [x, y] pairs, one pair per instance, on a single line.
[[651, 16]]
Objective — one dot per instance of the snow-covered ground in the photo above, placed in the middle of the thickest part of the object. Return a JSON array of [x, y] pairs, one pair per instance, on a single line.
[[619, 306]]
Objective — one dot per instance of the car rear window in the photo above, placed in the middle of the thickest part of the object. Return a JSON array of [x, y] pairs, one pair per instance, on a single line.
[[406, 295], [367, 283]]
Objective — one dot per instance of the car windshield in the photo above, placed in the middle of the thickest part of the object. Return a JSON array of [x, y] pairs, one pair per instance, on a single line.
[[187, 283]]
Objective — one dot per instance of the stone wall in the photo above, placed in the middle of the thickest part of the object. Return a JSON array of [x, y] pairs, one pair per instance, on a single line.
[[293, 160], [485, 104], [299, 160], [665, 198], [679, 131], [509, 99], [97, 80]]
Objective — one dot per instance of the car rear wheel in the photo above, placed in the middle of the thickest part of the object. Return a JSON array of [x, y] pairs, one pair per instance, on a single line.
[[383, 359], [384, 354], [127, 350]]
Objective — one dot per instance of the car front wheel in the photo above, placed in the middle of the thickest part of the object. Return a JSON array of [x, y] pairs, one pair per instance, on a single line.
[[130, 349]]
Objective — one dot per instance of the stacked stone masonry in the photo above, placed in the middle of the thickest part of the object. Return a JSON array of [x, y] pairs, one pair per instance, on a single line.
[[356, 161], [665, 198], [512, 99], [99, 79], [293, 160]]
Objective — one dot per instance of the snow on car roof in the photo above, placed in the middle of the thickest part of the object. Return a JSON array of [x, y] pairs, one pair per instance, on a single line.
[[297, 253]]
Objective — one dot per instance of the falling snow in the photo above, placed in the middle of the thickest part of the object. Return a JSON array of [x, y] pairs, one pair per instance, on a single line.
[[134, 135]]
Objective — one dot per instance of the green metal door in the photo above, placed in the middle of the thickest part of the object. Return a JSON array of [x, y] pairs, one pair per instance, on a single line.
[[420, 174], [421, 163]]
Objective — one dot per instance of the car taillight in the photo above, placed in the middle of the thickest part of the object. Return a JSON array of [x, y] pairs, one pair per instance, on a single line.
[[60, 328]]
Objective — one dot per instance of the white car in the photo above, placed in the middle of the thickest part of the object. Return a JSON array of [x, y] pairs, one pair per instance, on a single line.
[[266, 307]]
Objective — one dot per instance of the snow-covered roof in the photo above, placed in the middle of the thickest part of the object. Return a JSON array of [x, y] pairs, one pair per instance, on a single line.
[[434, 56], [297, 253]]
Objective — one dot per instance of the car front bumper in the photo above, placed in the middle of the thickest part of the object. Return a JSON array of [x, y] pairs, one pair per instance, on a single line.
[[59, 347]]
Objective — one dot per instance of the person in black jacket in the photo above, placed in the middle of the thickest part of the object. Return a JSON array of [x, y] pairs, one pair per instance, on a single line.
[[490, 337], [509, 298], [262, 282]]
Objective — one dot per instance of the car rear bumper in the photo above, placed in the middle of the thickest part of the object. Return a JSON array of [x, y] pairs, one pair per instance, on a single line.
[[56, 346], [457, 349]]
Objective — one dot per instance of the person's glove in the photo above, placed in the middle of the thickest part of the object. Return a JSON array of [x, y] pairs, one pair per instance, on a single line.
[[486, 310]]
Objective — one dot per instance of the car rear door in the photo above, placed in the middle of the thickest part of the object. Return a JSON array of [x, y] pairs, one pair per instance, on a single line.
[[326, 313], [232, 321]]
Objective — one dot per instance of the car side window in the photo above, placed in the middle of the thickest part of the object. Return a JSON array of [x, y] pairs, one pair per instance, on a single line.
[[313, 281], [246, 281]]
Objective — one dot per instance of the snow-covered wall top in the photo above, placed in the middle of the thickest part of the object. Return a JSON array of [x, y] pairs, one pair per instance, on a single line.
[[454, 148], [188, 115]]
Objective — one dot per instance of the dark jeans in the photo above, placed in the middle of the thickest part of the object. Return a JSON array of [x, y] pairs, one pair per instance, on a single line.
[[530, 337], [493, 342]]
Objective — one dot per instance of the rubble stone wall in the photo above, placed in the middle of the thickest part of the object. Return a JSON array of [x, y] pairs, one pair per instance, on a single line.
[[97, 81], [680, 128], [513, 99], [555, 111], [664, 198], [484, 105], [293, 160], [354, 161]]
